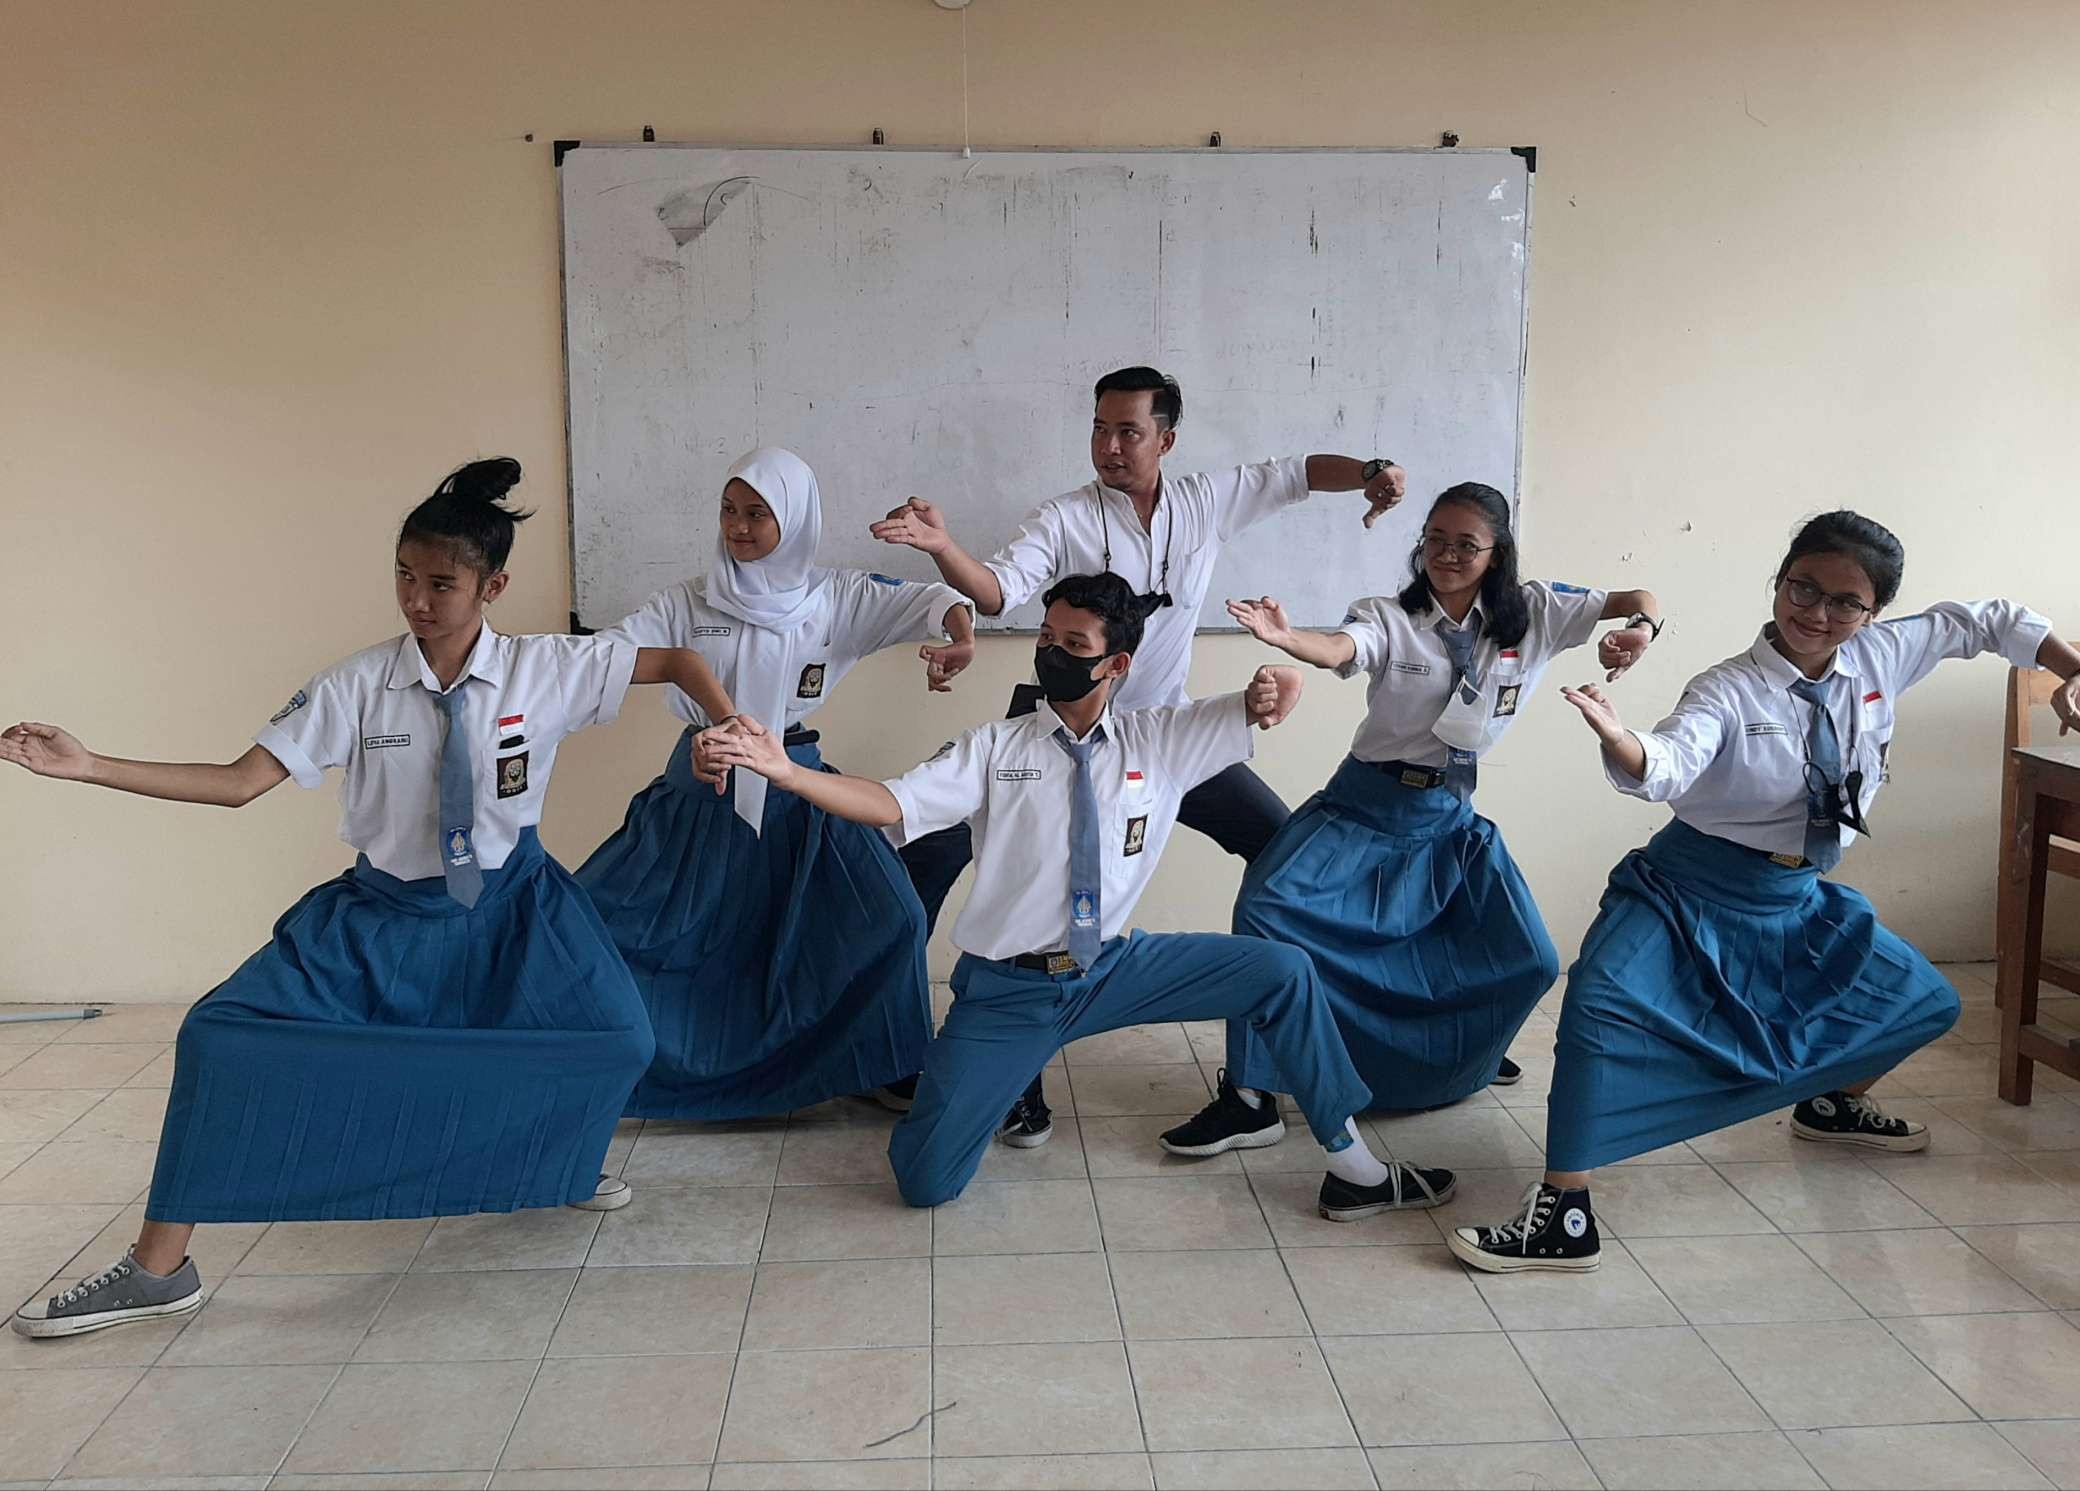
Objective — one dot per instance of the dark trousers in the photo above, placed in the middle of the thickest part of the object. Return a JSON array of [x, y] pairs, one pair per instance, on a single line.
[[1233, 808]]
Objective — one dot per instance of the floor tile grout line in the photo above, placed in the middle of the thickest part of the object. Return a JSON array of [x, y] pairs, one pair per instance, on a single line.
[[520, 1410], [1126, 1354]]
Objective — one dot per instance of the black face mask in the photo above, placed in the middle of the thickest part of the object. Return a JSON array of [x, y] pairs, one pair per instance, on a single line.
[[1065, 677]]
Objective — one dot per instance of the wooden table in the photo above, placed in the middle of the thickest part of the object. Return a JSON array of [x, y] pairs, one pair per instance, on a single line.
[[2049, 803]]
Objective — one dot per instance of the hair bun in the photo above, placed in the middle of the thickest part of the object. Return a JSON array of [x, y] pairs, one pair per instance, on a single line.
[[482, 481]]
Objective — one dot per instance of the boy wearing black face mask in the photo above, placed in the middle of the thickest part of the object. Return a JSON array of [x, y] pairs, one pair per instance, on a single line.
[[1071, 806]]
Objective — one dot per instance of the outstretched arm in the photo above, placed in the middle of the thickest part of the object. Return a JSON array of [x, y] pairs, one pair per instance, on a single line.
[[2062, 658], [755, 748], [690, 671], [1265, 620], [1620, 649], [920, 525], [49, 752], [1347, 474], [1620, 746], [1271, 695]]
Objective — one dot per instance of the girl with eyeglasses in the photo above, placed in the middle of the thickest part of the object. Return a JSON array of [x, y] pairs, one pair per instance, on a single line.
[[1423, 930], [1723, 978]]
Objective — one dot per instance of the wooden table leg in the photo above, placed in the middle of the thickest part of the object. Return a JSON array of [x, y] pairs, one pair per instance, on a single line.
[[2022, 947]]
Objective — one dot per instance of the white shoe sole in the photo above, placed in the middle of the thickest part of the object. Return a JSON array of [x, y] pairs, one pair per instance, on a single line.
[[1256, 1139], [80, 1325], [1498, 1263], [1417, 1202], [1027, 1141], [1908, 1144], [611, 1201]]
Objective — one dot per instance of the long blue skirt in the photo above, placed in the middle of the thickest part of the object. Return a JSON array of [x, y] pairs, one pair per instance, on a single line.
[[393, 1054], [780, 968], [1421, 926], [1716, 985]]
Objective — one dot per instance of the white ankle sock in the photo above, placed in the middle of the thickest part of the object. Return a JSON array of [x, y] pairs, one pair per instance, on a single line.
[[1355, 1162], [1251, 1096]]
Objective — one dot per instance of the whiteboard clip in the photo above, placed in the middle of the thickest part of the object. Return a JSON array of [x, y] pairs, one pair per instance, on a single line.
[[649, 135], [1449, 140], [880, 138], [1215, 142]]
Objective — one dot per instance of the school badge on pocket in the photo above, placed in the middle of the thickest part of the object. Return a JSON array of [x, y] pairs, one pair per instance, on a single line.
[[811, 686], [1506, 699], [512, 775], [1137, 835]]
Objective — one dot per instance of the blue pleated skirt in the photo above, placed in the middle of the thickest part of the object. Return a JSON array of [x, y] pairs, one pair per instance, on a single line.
[[1716, 985], [779, 968], [391, 1053], [1421, 926]]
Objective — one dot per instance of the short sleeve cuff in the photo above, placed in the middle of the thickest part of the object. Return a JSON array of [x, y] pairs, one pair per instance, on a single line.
[[2025, 638], [621, 668], [901, 833], [1583, 618], [276, 742]]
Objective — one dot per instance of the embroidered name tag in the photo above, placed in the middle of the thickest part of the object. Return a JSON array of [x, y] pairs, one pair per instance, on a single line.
[[1401, 667], [384, 742], [711, 631], [1018, 774], [1766, 729]]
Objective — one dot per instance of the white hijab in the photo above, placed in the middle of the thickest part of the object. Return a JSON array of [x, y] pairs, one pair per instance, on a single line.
[[778, 599]]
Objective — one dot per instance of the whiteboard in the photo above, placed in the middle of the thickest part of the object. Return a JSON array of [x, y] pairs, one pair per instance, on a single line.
[[912, 322]]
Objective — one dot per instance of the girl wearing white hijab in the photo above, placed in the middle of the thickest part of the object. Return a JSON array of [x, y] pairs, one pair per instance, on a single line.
[[780, 950]]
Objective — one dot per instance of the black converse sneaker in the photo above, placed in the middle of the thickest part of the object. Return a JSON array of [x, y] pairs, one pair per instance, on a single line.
[[1557, 1231], [119, 1295], [1509, 1074], [1029, 1124], [1852, 1118], [1406, 1188], [1228, 1122]]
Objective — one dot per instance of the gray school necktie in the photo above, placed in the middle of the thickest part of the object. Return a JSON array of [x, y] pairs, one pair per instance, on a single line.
[[458, 804], [1824, 760], [1086, 908], [1462, 768]]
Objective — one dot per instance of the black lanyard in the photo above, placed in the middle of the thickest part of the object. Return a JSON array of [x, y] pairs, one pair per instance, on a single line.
[[1159, 587]]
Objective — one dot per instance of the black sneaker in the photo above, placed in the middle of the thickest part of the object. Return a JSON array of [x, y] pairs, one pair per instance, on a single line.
[[1852, 1118], [1227, 1123], [898, 1096], [1028, 1125], [1406, 1188], [1556, 1231], [1509, 1074]]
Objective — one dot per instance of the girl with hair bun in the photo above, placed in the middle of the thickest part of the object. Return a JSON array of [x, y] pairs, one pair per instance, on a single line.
[[1723, 978], [1424, 931], [446, 1027]]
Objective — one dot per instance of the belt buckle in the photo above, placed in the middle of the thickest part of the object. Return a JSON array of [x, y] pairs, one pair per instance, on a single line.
[[1789, 861], [1060, 963], [1413, 777]]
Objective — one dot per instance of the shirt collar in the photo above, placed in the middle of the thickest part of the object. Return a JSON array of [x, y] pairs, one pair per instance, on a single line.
[[1444, 623], [1050, 722], [1104, 491], [1783, 673], [486, 661]]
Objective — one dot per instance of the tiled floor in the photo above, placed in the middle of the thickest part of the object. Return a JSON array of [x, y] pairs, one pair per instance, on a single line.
[[1090, 1314]]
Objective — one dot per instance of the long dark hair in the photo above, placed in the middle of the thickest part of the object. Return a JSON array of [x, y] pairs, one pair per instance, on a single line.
[[1871, 545], [1502, 593], [466, 514]]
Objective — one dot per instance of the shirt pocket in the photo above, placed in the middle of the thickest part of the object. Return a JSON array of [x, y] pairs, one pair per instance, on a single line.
[[1874, 727]]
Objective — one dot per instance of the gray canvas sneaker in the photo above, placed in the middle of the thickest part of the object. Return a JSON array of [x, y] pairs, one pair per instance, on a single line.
[[119, 1295]]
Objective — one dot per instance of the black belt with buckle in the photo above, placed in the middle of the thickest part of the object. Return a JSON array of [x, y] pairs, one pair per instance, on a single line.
[[1410, 775], [1054, 963], [795, 738]]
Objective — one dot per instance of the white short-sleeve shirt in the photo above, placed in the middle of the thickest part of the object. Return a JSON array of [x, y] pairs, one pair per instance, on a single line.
[[1409, 668], [1731, 759], [862, 613], [1195, 514], [1012, 782], [375, 717]]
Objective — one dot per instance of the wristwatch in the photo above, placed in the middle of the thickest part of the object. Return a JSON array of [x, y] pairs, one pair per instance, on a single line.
[[1651, 623], [1372, 468]]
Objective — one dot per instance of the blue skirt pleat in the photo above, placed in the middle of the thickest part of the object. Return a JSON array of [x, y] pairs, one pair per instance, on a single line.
[[1715, 986], [391, 1053], [1422, 928], [780, 968]]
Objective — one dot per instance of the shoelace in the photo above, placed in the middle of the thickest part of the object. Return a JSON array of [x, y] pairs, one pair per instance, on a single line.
[[1869, 1112], [114, 1273], [1539, 1202]]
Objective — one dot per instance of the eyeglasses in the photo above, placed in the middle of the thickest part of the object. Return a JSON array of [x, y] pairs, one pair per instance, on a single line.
[[1462, 550], [1842, 608]]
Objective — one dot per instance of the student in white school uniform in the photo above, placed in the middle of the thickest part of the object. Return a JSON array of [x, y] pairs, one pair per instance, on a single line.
[[779, 950], [1071, 806], [1138, 521], [1723, 978], [446, 1027], [1425, 934]]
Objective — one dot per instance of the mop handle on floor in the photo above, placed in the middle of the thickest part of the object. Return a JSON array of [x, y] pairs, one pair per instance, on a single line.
[[22, 1017]]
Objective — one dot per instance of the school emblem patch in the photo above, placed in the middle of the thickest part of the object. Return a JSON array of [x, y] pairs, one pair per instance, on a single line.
[[296, 702], [512, 775], [811, 686], [1506, 699], [1137, 835]]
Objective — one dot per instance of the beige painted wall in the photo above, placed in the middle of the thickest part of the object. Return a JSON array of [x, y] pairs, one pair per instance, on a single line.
[[267, 271]]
